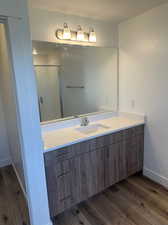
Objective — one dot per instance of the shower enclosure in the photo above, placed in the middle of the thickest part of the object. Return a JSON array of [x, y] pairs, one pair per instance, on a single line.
[[48, 86]]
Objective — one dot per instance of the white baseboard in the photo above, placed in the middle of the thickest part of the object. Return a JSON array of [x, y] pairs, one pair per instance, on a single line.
[[5, 162], [19, 180], [156, 177]]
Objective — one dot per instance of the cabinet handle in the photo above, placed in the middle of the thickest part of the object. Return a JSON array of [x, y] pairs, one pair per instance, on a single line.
[[63, 174], [66, 198], [108, 153]]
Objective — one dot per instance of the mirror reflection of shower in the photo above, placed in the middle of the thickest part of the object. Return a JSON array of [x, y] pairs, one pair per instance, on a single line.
[[48, 85], [74, 80]]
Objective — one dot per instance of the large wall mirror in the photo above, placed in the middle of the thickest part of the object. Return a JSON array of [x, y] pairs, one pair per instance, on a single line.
[[74, 80]]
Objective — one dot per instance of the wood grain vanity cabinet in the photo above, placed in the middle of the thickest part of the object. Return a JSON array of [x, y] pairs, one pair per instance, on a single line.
[[79, 171]]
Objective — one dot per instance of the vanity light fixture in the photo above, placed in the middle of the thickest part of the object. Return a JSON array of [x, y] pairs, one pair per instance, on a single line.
[[80, 34], [92, 35], [66, 32], [75, 36]]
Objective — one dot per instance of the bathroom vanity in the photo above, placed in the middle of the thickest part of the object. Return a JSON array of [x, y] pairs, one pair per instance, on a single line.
[[88, 144], [87, 166]]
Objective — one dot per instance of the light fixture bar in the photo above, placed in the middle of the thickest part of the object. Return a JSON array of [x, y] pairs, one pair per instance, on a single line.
[[77, 36]]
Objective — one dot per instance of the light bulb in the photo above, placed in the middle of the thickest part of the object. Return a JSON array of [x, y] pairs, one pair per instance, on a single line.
[[34, 51], [66, 32], [80, 34], [92, 36]]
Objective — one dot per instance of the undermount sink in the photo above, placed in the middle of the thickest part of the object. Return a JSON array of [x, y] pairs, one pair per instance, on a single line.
[[92, 128]]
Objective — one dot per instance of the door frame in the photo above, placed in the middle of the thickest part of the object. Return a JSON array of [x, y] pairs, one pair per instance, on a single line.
[[23, 82]]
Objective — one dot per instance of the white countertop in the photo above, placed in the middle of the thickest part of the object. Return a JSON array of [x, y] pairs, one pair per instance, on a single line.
[[58, 138]]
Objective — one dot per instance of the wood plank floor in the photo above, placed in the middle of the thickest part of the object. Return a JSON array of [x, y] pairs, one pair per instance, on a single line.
[[13, 208], [136, 201]]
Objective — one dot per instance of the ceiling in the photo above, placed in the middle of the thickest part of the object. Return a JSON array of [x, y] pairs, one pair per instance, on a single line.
[[107, 10]]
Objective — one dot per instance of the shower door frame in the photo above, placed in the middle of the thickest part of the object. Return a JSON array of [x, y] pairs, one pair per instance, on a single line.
[[60, 95]]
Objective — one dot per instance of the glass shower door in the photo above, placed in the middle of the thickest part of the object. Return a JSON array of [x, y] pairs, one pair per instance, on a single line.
[[48, 92]]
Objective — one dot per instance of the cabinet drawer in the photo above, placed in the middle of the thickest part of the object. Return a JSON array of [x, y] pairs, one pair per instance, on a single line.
[[115, 137], [101, 141], [139, 129], [63, 187], [59, 154], [82, 147], [61, 194], [132, 132], [62, 168], [129, 133], [59, 186], [118, 137]]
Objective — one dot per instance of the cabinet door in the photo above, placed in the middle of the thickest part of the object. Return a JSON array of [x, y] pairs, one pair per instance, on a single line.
[[140, 149], [115, 164], [131, 157], [134, 153], [88, 175]]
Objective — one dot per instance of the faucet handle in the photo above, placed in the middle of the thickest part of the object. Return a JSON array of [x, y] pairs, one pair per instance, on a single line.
[[84, 121]]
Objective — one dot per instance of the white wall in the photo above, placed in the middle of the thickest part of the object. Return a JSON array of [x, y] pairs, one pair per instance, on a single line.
[[143, 43], [45, 23]]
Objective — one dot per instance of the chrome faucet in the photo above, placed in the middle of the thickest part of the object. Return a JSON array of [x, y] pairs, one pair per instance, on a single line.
[[84, 121]]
